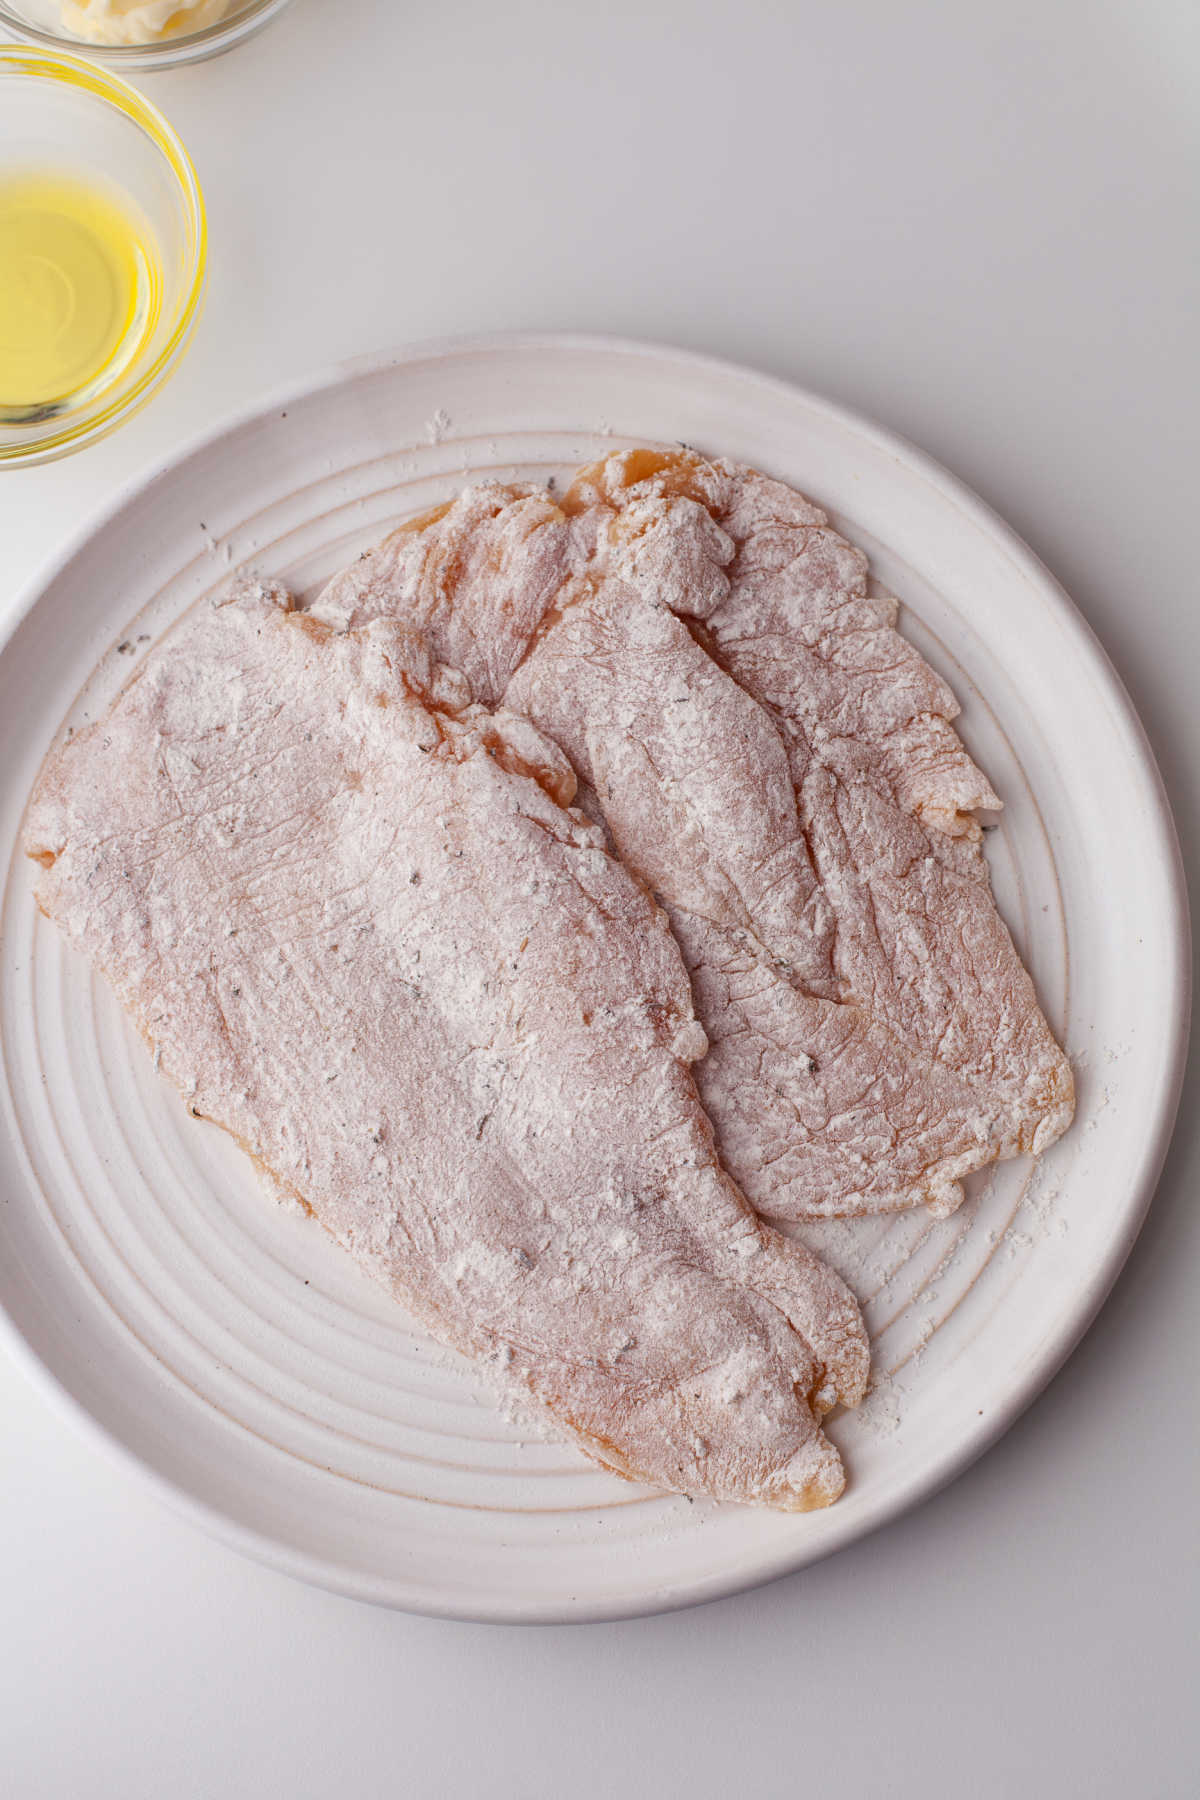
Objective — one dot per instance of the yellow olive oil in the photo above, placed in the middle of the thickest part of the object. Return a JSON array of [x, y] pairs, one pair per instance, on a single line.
[[79, 292]]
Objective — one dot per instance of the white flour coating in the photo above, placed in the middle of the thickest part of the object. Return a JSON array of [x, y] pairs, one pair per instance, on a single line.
[[366, 938], [778, 765], [881, 1412]]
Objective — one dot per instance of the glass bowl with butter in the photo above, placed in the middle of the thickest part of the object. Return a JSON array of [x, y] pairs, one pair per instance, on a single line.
[[138, 34], [102, 253]]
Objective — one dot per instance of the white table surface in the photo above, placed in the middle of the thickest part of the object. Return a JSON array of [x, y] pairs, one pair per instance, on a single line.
[[977, 224]]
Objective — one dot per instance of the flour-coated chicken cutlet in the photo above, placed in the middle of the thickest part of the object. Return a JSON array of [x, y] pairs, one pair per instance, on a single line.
[[886, 794], [353, 920]]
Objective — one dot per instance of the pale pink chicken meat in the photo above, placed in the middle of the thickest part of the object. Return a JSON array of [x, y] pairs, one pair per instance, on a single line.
[[777, 763], [353, 920], [886, 793]]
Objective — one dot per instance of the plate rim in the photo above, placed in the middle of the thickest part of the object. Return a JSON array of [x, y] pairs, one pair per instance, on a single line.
[[923, 1484]]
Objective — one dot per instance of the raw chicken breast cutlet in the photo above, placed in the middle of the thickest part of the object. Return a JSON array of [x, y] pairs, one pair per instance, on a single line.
[[354, 918]]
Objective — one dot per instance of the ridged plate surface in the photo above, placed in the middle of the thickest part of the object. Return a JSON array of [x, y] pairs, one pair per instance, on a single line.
[[234, 1352]]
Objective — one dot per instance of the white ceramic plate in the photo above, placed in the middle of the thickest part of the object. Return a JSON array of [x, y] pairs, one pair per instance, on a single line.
[[233, 1353]]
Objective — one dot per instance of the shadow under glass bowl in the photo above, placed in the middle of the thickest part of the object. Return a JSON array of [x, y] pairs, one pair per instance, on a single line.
[[41, 22], [64, 115]]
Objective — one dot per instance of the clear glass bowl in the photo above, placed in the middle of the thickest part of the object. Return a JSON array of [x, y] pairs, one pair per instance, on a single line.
[[64, 114], [41, 21]]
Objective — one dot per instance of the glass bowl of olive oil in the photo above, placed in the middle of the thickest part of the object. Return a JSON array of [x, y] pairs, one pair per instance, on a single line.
[[102, 253]]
